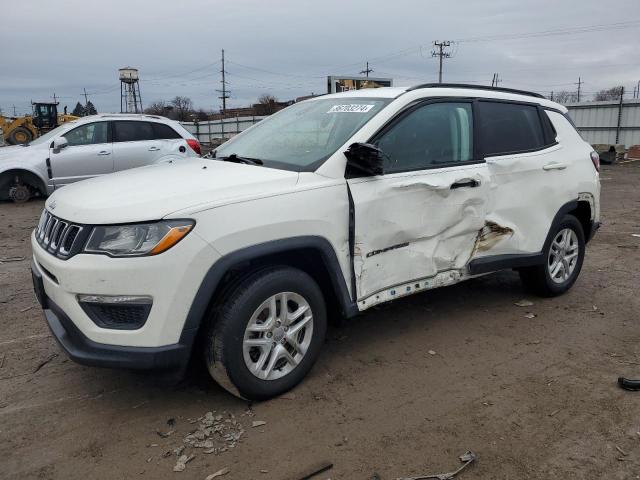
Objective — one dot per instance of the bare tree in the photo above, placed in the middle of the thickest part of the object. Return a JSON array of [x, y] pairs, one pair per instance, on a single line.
[[157, 108], [182, 108], [201, 115], [267, 104], [565, 96], [609, 94]]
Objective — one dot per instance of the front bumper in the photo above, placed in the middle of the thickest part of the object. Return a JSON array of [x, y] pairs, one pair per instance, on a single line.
[[85, 351]]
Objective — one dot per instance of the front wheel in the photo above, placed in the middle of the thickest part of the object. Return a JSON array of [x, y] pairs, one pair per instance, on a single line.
[[563, 260], [267, 333]]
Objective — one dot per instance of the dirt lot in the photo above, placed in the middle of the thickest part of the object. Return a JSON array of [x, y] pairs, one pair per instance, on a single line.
[[533, 397]]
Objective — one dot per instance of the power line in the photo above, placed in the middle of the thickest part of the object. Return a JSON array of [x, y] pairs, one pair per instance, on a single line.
[[553, 32]]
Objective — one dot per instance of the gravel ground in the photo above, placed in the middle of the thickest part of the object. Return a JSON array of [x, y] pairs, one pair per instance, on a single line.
[[401, 390]]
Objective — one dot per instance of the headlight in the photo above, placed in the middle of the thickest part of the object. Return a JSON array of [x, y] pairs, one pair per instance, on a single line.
[[137, 239]]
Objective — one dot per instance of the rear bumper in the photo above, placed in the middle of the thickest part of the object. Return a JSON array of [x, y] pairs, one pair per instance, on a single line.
[[87, 352]]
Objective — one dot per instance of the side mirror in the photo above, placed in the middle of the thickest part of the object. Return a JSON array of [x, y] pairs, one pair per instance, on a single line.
[[58, 144], [364, 159]]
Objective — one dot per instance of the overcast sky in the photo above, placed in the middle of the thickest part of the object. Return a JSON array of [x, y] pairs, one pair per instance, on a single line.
[[288, 47]]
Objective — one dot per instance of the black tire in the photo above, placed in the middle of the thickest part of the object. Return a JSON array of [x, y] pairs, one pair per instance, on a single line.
[[20, 135], [224, 335], [538, 278]]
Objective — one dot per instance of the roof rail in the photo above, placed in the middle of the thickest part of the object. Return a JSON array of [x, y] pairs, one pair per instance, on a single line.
[[476, 87]]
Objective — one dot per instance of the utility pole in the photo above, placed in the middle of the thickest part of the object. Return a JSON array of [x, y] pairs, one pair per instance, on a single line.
[[580, 82], [619, 114], [86, 102], [55, 100], [496, 80], [367, 70], [224, 93], [14, 111], [439, 52]]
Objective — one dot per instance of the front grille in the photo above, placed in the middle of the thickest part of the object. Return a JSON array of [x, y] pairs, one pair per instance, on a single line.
[[60, 237]]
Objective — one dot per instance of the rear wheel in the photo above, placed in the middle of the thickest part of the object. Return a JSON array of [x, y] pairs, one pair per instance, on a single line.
[[267, 334], [563, 261], [20, 136]]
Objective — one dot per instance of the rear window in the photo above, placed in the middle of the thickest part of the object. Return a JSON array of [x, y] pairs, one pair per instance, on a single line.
[[164, 132], [132, 131], [509, 128]]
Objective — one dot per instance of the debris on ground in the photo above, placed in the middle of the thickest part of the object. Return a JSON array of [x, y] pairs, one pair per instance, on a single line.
[[628, 384], [11, 259], [621, 451], [258, 423], [313, 470], [215, 433], [44, 362], [432, 352], [165, 434], [179, 450], [554, 413], [467, 458], [523, 303], [4, 355], [181, 464], [530, 315], [26, 309], [217, 474]]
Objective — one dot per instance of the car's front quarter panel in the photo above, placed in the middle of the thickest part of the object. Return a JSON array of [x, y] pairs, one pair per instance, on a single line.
[[170, 278], [30, 159], [318, 207]]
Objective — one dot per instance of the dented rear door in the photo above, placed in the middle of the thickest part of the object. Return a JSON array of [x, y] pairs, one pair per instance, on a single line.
[[417, 225]]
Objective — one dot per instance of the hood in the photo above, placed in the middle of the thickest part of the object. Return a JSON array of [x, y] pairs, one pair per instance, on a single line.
[[14, 152], [153, 192]]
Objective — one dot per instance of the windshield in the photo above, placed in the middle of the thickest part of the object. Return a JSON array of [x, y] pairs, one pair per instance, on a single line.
[[305, 134], [50, 134]]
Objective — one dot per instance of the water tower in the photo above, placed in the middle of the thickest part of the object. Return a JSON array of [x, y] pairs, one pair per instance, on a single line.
[[130, 99]]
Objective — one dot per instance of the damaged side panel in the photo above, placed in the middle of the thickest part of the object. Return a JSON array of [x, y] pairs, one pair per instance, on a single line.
[[413, 231]]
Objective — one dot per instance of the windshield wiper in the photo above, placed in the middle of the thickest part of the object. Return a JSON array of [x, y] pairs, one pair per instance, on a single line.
[[235, 158]]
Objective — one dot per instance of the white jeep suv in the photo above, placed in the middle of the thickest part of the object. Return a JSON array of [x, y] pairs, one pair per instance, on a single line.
[[341, 202], [89, 147]]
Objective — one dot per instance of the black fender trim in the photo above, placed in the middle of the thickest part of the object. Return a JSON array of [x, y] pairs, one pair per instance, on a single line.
[[494, 263], [216, 273]]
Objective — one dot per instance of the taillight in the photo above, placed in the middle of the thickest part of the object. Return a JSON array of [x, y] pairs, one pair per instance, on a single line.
[[595, 158], [195, 145]]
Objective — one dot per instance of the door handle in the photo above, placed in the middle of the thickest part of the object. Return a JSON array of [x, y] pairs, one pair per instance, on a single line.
[[104, 152], [555, 166], [154, 149], [465, 183]]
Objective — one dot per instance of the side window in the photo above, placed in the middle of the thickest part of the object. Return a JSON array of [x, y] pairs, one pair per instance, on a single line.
[[88, 134], [132, 131], [163, 132], [508, 128], [433, 135]]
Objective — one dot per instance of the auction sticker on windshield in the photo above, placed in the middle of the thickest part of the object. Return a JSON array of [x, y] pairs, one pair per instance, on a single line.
[[350, 108]]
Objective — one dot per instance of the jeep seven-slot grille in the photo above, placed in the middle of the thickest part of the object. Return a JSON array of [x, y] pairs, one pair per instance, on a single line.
[[59, 237]]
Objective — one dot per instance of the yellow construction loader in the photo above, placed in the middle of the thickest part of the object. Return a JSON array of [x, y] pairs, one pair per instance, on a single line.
[[21, 130]]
